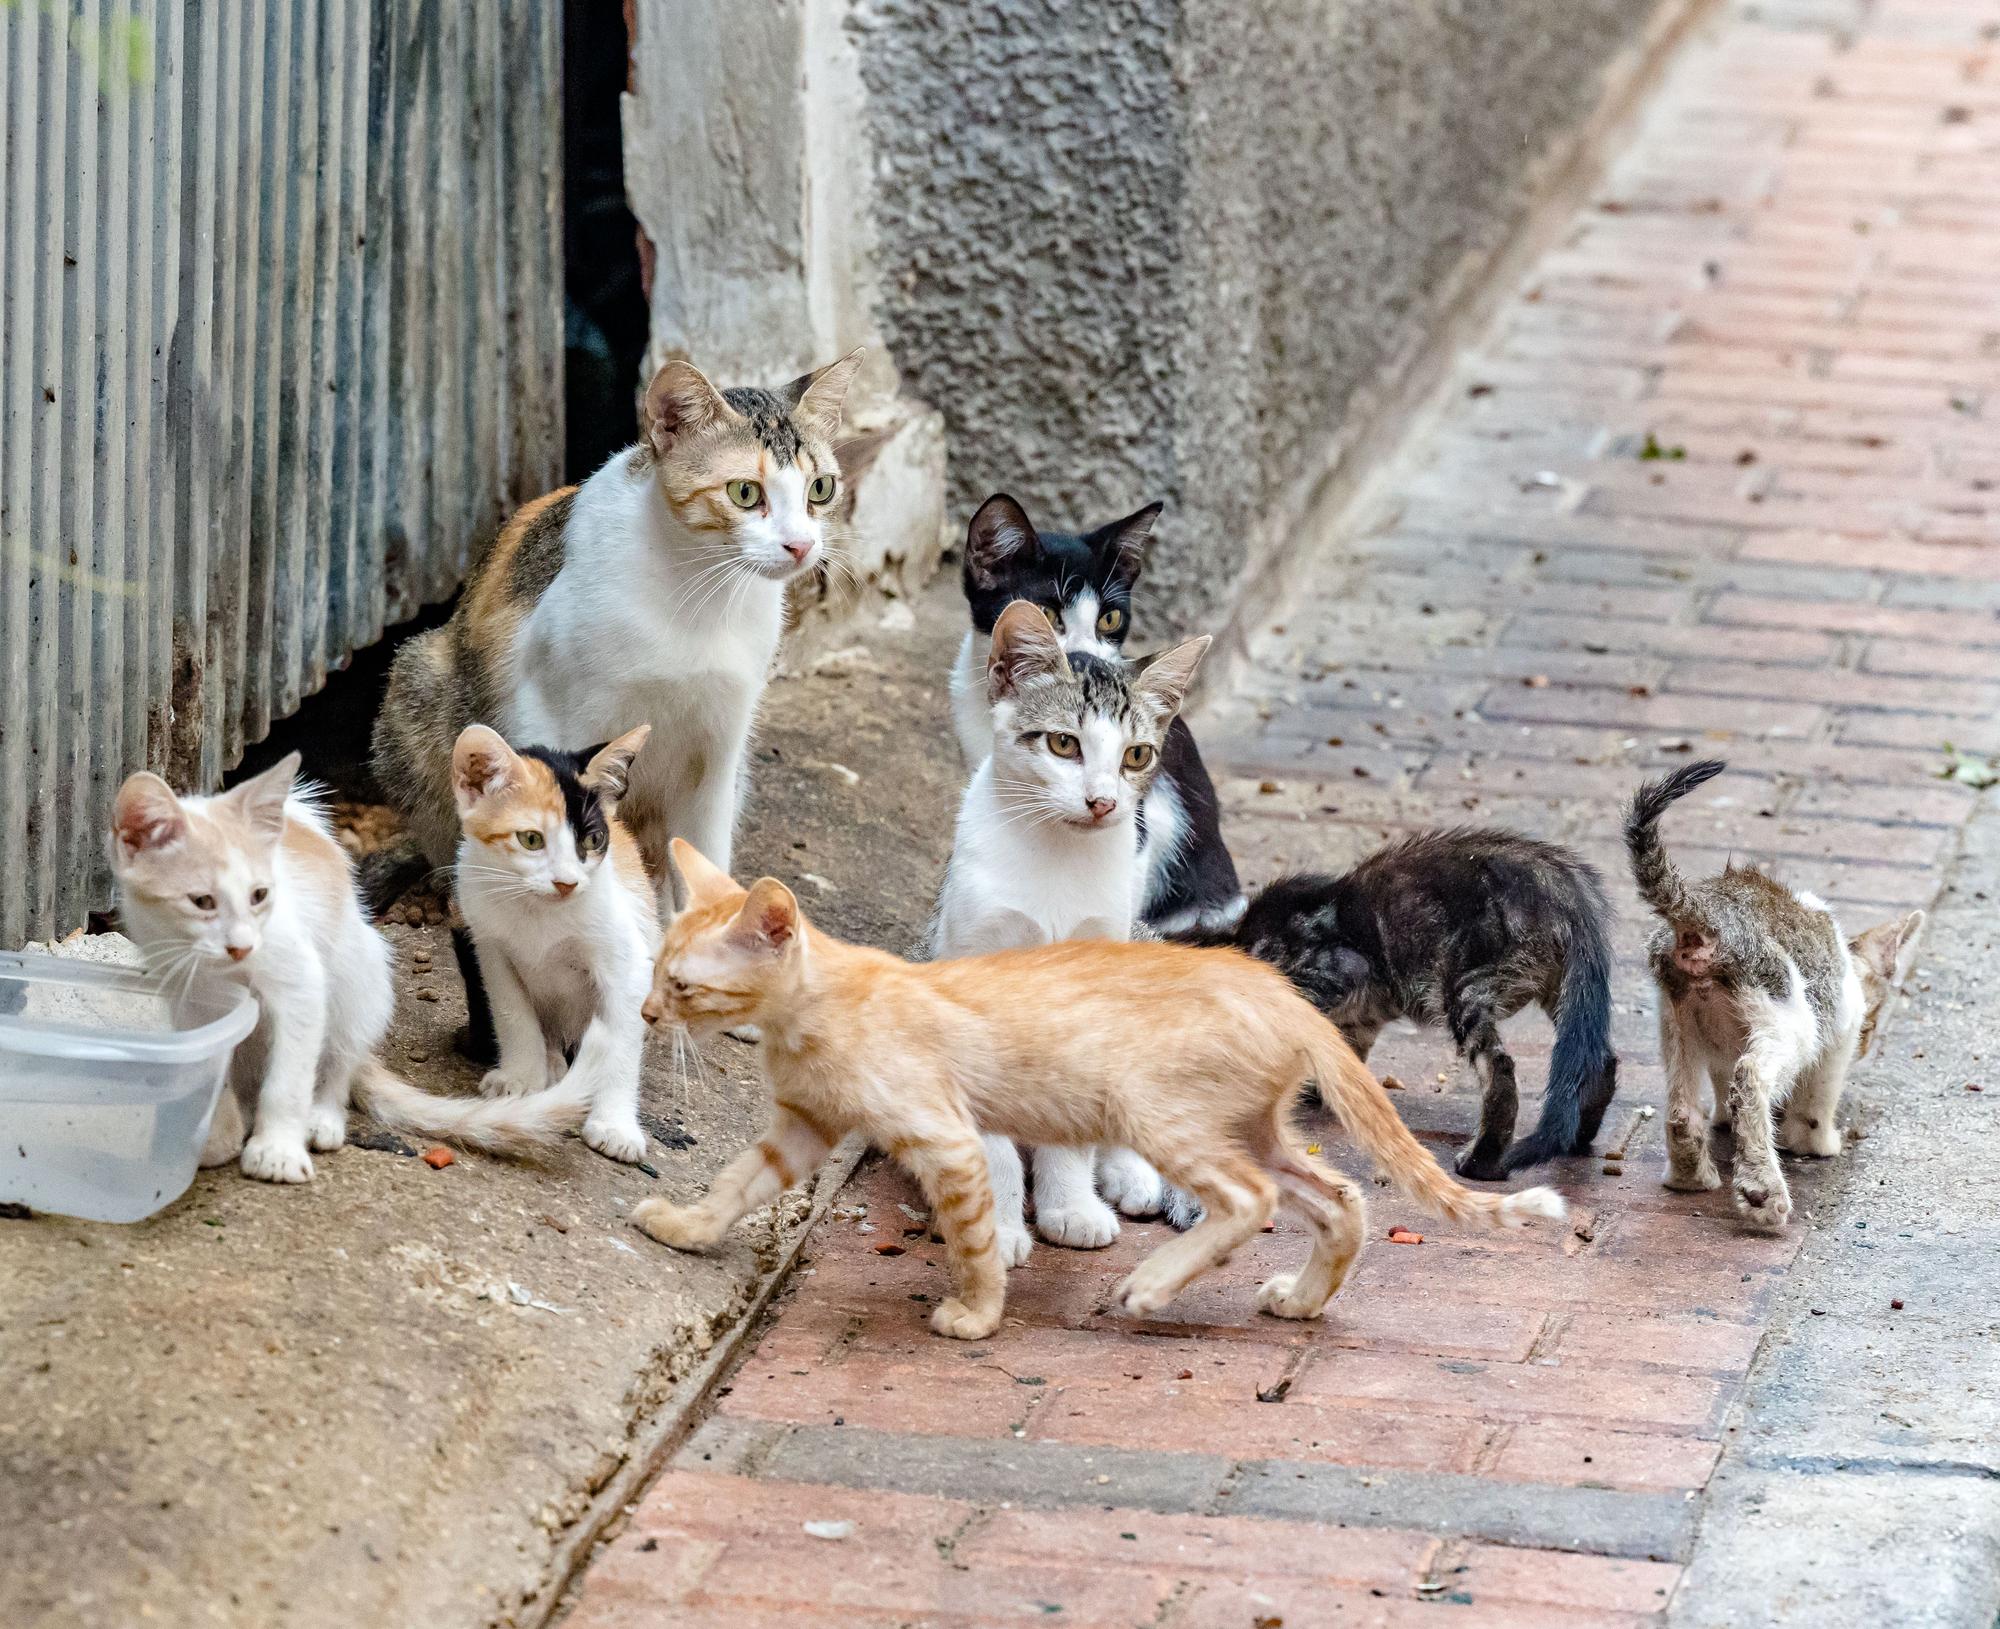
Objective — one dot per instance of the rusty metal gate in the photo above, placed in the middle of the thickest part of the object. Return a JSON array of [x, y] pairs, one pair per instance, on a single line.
[[282, 341]]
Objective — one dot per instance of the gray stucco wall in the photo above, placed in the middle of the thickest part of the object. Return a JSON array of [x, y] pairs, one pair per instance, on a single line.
[[1152, 248]]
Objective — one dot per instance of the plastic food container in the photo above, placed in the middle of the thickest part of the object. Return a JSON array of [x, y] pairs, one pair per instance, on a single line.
[[106, 1091]]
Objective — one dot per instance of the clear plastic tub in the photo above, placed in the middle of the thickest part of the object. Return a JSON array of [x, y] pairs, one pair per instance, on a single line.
[[106, 1086]]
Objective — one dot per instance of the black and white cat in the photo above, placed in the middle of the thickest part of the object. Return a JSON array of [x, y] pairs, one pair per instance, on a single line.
[[1083, 585]]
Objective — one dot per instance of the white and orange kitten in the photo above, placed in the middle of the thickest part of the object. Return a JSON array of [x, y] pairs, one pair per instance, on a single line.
[[249, 888], [560, 910]]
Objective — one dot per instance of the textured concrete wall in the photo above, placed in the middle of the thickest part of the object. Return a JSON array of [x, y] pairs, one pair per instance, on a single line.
[[1144, 248]]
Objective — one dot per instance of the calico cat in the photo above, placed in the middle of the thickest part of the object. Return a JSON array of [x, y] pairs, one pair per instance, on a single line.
[[249, 888], [1760, 993], [1462, 928], [1047, 849], [1084, 586], [1191, 1056], [561, 914], [654, 592]]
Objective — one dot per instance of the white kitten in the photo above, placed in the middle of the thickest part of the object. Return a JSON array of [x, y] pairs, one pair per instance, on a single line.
[[1047, 849], [561, 914], [249, 888]]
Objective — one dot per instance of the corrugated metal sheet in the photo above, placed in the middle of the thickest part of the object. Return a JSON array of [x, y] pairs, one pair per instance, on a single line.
[[282, 342]]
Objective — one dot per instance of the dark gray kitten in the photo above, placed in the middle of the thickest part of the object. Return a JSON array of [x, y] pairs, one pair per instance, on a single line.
[[1461, 928]]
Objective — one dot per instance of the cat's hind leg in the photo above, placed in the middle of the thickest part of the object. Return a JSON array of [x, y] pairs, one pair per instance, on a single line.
[[1067, 1209], [1237, 1199], [1478, 1038], [1332, 1208], [1690, 1166], [952, 1173], [1770, 1064]]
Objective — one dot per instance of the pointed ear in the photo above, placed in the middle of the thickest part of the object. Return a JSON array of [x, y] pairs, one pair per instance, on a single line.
[[611, 765], [1000, 532], [769, 919], [1024, 647], [262, 797], [1126, 541], [1889, 947], [680, 401], [481, 764], [146, 814], [816, 398], [704, 881], [1168, 676]]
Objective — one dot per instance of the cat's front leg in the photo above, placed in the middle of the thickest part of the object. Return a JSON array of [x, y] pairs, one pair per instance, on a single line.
[[1010, 1198], [952, 1173], [276, 1151], [787, 1153], [1811, 1127], [524, 1049], [1067, 1209], [1128, 1182], [607, 1065]]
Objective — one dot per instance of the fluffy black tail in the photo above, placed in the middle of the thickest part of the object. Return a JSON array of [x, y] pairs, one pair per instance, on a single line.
[[1660, 884], [1583, 1070], [386, 874]]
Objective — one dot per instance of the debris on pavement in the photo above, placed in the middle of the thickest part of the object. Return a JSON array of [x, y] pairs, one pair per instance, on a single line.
[[438, 1157]]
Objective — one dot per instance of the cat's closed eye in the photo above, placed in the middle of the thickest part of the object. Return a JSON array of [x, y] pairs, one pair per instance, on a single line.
[[1139, 756], [1064, 745], [202, 902], [530, 840]]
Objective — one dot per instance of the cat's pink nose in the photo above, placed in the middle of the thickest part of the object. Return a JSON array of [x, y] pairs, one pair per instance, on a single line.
[[565, 889], [798, 551], [1100, 807], [237, 952]]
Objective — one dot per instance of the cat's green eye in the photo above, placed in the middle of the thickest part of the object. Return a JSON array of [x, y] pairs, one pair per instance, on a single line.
[[822, 489], [744, 494], [202, 902], [1111, 621], [1064, 746], [530, 840], [1139, 756]]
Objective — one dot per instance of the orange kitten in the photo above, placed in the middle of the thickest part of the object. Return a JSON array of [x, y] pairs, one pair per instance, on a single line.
[[1036, 1044]]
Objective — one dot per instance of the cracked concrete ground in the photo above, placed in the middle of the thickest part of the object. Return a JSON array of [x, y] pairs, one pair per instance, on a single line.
[[397, 1394]]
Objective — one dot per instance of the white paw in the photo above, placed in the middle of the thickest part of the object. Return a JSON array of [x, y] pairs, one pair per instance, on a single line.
[[616, 1139], [1087, 1225], [1279, 1296], [1014, 1243], [1130, 1183], [498, 1083], [1700, 1180], [1819, 1142], [748, 1034], [276, 1159], [326, 1127], [1761, 1199], [1181, 1209]]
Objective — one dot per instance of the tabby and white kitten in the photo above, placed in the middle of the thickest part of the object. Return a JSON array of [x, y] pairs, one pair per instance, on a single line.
[[562, 918], [654, 592], [249, 888], [1048, 849], [1083, 584], [1761, 996]]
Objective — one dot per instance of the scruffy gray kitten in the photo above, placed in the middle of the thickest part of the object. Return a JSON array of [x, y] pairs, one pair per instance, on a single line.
[[1760, 992]]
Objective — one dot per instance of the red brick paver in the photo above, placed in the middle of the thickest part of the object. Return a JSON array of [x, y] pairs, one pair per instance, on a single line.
[[1784, 290]]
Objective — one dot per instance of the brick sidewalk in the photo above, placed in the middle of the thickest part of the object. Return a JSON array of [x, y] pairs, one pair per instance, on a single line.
[[1785, 289]]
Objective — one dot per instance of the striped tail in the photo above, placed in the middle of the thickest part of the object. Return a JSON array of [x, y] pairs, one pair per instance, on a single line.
[[496, 1125], [1364, 1108], [1660, 884]]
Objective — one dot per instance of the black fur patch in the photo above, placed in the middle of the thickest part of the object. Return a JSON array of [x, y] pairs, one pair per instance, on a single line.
[[583, 810], [770, 419], [539, 554]]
